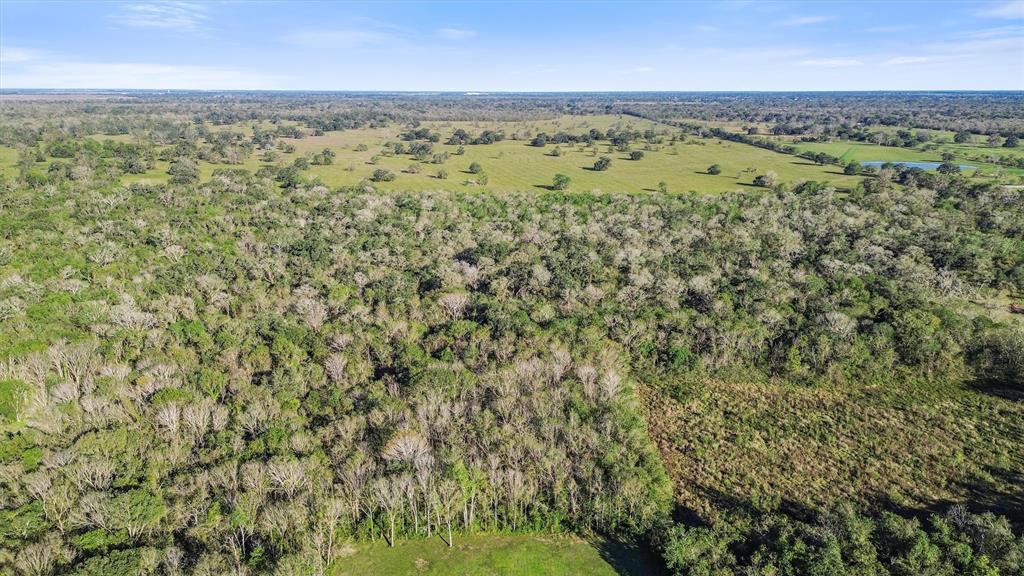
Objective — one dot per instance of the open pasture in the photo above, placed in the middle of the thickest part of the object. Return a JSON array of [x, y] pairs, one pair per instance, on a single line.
[[514, 164]]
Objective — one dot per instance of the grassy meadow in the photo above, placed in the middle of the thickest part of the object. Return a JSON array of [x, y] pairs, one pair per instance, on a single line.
[[513, 164], [975, 152], [485, 555], [801, 448]]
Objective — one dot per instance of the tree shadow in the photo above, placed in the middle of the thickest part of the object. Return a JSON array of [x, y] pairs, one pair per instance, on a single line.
[[629, 557], [999, 388], [995, 490], [547, 187]]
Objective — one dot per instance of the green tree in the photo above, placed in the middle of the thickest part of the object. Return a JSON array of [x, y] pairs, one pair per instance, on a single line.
[[561, 182], [382, 175], [766, 180], [183, 171]]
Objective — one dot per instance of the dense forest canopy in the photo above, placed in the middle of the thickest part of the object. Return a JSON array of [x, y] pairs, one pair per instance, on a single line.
[[240, 371]]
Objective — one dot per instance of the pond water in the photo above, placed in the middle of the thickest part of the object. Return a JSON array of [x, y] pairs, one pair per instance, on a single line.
[[921, 165]]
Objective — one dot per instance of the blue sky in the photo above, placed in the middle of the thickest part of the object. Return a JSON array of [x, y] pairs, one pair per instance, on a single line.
[[513, 46]]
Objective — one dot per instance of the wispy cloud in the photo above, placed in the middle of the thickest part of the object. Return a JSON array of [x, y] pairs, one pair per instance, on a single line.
[[645, 69], [454, 33], [1012, 31], [1010, 10], [136, 75], [706, 28], [981, 42], [905, 60], [347, 38], [831, 62], [166, 15], [759, 54], [13, 54], [889, 29], [804, 20]]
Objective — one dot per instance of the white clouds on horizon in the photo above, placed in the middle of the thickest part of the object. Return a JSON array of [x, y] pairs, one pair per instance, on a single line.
[[16, 55], [136, 75]]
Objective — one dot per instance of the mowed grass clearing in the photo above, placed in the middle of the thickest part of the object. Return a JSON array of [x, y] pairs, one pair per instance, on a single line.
[[491, 555]]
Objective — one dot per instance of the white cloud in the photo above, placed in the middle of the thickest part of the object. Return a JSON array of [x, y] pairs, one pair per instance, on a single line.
[[645, 69], [831, 62], [1010, 10], [889, 29], [765, 54], [707, 28], [134, 75], [904, 60], [982, 47], [11, 54], [804, 20], [349, 38], [454, 33], [166, 15], [1013, 31]]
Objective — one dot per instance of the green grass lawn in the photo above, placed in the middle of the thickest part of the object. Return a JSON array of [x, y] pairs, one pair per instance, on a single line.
[[511, 555]]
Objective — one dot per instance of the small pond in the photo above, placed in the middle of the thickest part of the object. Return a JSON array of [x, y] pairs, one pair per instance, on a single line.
[[921, 165]]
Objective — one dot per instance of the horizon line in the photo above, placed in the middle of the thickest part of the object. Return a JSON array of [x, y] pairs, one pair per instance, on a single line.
[[481, 92]]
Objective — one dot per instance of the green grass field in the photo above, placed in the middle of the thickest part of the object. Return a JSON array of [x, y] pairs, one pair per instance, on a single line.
[[849, 151], [866, 152], [976, 152], [493, 555], [912, 446], [515, 165]]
